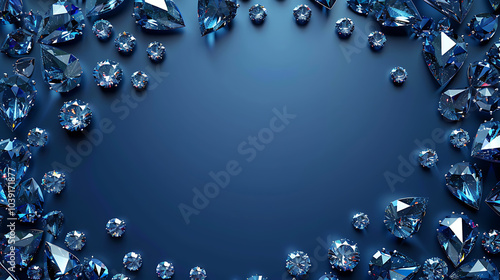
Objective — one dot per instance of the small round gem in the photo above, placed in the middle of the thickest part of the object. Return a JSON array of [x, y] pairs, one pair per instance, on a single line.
[[377, 40], [302, 14], [116, 227], [344, 27], [487, 99], [156, 51], [139, 80], [75, 115], [108, 74], [428, 158], [165, 270], [398, 75], [132, 261], [102, 29], [435, 269], [491, 241], [38, 137], [329, 276], [459, 138], [344, 254], [54, 181], [482, 27], [35, 272], [125, 43], [197, 273], [257, 13], [75, 240], [360, 221], [120, 276], [298, 263]]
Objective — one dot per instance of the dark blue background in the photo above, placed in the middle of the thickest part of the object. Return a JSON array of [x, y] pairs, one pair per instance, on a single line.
[[351, 126]]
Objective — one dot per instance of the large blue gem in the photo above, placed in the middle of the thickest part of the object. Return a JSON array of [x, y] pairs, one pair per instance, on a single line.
[[10, 10], [25, 245], [53, 222], [483, 26], [392, 266], [455, 9], [29, 201], [61, 70], [15, 158], [493, 199], [63, 22], [61, 264], [396, 13], [157, 14], [465, 182], [479, 269], [215, 14], [99, 7], [326, 3], [18, 96], [457, 235], [18, 42], [403, 217], [487, 142]]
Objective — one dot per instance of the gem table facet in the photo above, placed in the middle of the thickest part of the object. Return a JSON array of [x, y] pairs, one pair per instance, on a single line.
[[478, 269], [493, 199], [392, 266], [344, 27], [132, 261], [298, 263], [53, 222], [75, 115], [482, 74], [61, 264], [54, 181], [465, 182], [403, 217], [435, 269], [38, 137], [157, 14], [428, 158], [344, 254], [18, 42], [102, 29], [454, 104], [165, 270], [29, 201], [459, 138], [457, 235], [99, 7], [454, 9], [491, 241], [63, 22], [302, 14], [24, 244], [395, 13], [482, 27], [486, 144], [108, 74], [257, 13], [61, 70], [75, 240], [215, 14], [116, 227], [139, 80], [398, 75]]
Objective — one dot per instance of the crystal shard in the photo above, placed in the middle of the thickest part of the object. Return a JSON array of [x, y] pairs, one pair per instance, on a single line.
[[157, 14], [392, 266], [63, 22], [396, 13], [404, 216], [479, 269], [10, 10], [326, 3], [18, 42], [454, 9], [17, 96], [61, 264], [53, 223], [493, 199], [215, 14], [24, 244], [486, 144], [455, 103], [99, 7], [465, 182], [29, 201], [457, 235], [482, 74], [444, 53], [15, 159], [24, 66], [61, 70]]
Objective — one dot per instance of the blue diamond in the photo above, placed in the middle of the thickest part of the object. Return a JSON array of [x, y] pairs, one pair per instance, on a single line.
[[343, 254], [139, 80], [459, 138], [125, 43], [10, 10], [362, 7], [494, 54], [63, 22], [377, 40], [96, 270], [25, 66], [428, 158], [61, 70], [156, 51], [483, 26], [493, 199], [29, 201], [215, 14], [326, 3], [99, 7], [486, 144], [165, 270], [392, 266], [54, 181], [298, 263], [344, 27], [132, 261], [424, 27], [31, 22], [444, 24], [61, 264], [465, 182], [455, 103], [457, 235], [197, 273], [25, 245], [482, 269], [329, 276], [34, 272], [102, 29], [53, 223], [487, 99], [455, 9], [38, 137], [18, 42], [435, 269], [75, 115], [18, 96], [108, 74], [302, 14], [257, 13], [396, 13], [403, 217], [157, 14], [75, 240], [482, 74], [15, 158]]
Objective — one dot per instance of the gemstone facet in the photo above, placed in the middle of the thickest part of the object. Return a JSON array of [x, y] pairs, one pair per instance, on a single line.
[[125, 43], [493, 54], [10, 10], [53, 223], [428, 158], [491, 241], [29, 201], [102, 29], [435, 269], [362, 7], [18, 42], [343, 254], [459, 138], [38, 137], [485, 145], [403, 217], [139, 80], [487, 99], [398, 75], [75, 240], [482, 74], [360, 221], [457, 235], [391, 266], [132, 261], [257, 13], [157, 14], [108, 74], [465, 182], [15, 158], [75, 115], [215, 14], [423, 27], [454, 104], [18, 97], [54, 181], [197, 273], [24, 244], [395, 13], [63, 22], [61, 70], [24, 66], [344, 27], [478, 269], [377, 40], [298, 263], [99, 7], [95, 270], [165, 270], [61, 264], [302, 14], [116, 227], [483, 26], [454, 9], [34, 272], [156, 51], [493, 199]]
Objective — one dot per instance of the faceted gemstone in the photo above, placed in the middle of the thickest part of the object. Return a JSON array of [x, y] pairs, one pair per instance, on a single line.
[[54, 181], [197, 273], [158, 14], [29, 201], [18, 96], [116, 227], [31, 22], [132, 261], [139, 80], [444, 24], [18, 42], [360, 221], [10, 10], [215, 14], [423, 28], [61, 264], [478, 269], [362, 7], [459, 138], [435, 269], [487, 99], [75, 240], [491, 241], [493, 199], [329, 276], [120, 277], [444, 53], [344, 254], [102, 29], [257, 13], [392, 266], [99, 7], [465, 182], [495, 4], [75, 115], [34, 272], [482, 74], [125, 43], [53, 223], [395, 13], [24, 66], [403, 217], [483, 26], [457, 236], [302, 14], [398, 75], [455, 103], [95, 270], [377, 40], [165, 270], [344, 27], [15, 159], [428, 158], [298, 263], [326, 3], [38, 137], [25, 244], [108, 74], [61, 70], [156, 51], [485, 144], [454, 9], [63, 22]]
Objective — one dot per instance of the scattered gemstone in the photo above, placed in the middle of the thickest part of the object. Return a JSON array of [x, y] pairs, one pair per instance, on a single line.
[[61, 264], [377, 40], [63, 22], [482, 27], [75, 115], [29, 201], [10, 10], [428, 158], [54, 181], [165, 270], [482, 74], [116, 227], [344, 27], [494, 54], [102, 29], [302, 14], [99, 7], [95, 270], [343, 254], [108, 74], [15, 159], [139, 80], [444, 24], [398, 75], [125, 43], [61, 70], [395, 13], [465, 182], [24, 66], [435, 269], [157, 14], [53, 223], [197, 273], [31, 22], [454, 9], [487, 99], [493, 199], [34, 272], [120, 277], [18, 42], [132, 261], [25, 244], [423, 28], [459, 138], [215, 14], [38, 137], [485, 144], [457, 235], [298, 263], [478, 269], [491, 241], [455, 103], [392, 266], [75, 240], [403, 217], [362, 7], [257, 13], [329, 276], [360, 221], [18, 97], [156, 51]]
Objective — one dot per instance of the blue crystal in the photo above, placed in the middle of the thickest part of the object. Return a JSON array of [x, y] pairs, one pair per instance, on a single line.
[[257, 13], [63, 22], [38, 137], [465, 182], [479, 269], [326, 3], [165, 270], [360, 221], [483, 26], [54, 181], [302, 14], [25, 246], [108, 74], [24, 66], [493, 199], [344, 27], [156, 51], [398, 75], [487, 99], [116, 227], [158, 14], [120, 276], [403, 217], [424, 27], [343, 254], [377, 40], [99, 7], [444, 24], [491, 241], [482, 74], [10, 10], [495, 4], [53, 223], [132, 261], [435, 269], [459, 138], [454, 9], [125, 43], [96, 270], [457, 235], [31, 22], [29, 201], [215, 14], [75, 115], [61, 70], [396, 13], [102, 29], [18, 96], [75, 240], [392, 266], [15, 159], [455, 103], [18, 42], [329, 276], [486, 145], [362, 7], [197, 273], [298, 263], [428, 158], [61, 264], [139, 80]]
